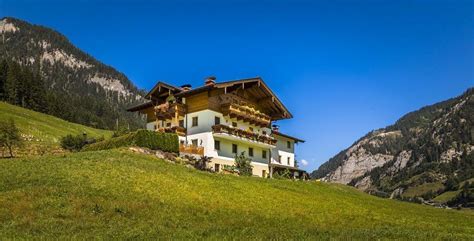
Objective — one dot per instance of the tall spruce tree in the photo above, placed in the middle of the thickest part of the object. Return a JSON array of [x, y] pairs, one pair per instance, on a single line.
[[3, 78]]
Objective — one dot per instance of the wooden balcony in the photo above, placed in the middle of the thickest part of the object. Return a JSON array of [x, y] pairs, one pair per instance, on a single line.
[[181, 131], [191, 149], [168, 111], [248, 135], [242, 110]]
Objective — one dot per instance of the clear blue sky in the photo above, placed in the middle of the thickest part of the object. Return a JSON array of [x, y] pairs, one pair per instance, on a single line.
[[342, 67]]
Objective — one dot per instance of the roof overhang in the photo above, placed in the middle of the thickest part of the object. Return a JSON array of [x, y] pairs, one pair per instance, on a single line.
[[285, 167], [140, 107], [162, 87], [289, 137]]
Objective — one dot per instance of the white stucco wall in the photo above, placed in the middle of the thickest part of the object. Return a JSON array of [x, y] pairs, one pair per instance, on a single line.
[[282, 150]]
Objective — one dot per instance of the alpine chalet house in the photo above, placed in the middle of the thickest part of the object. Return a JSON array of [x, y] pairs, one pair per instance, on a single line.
[[222, 120]]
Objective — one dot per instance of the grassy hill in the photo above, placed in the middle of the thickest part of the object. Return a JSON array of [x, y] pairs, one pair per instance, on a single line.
[[42, 130], [117, 194]]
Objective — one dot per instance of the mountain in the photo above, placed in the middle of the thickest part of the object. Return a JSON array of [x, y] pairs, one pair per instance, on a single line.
[[77, 87], [425, 154]]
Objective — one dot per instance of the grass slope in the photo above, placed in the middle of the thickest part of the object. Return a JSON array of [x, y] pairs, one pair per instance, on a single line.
[[43, 129], [116, 194]]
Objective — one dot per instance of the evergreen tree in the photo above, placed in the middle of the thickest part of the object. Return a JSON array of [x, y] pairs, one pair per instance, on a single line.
[[3, 78]]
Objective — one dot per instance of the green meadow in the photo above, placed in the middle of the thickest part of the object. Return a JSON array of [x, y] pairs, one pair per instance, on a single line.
[[117, 194], [42, 131]]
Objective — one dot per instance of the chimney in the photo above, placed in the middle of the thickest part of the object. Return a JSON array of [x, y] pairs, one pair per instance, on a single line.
[[211, 80], [275, 128], [186, 87]]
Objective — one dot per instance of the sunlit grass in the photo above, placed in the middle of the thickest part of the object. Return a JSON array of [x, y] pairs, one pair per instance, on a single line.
[[118, 194], [43, 132]]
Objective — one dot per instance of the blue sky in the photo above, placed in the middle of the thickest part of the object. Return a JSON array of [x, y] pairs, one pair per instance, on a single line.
[[343, 68]]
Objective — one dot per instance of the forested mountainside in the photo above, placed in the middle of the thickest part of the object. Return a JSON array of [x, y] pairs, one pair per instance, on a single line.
[[427, 155], [41, 70]]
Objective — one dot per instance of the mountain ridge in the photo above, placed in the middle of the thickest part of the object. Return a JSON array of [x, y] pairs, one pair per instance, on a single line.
[[71, 73], [433, 145]]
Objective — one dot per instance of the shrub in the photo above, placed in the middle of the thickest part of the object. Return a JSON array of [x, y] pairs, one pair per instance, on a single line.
[[9, 135], [167, 142], [73, 143], [201, 163], [76, 143], [242, 163]]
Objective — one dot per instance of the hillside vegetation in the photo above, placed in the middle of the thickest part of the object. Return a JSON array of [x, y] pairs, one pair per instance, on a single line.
[[117, 194], [44, 131]]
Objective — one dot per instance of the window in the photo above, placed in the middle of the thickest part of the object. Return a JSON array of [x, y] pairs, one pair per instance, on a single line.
[[279, 159], [234, 124], [264, 133], [217, 120], [250, 151], [234, 148], [217, 167], [168, 124], [217, 145], [264, 154], [181, 142], [194, 142], [181, 123], [195, 121], [288, 144], [288, 160]]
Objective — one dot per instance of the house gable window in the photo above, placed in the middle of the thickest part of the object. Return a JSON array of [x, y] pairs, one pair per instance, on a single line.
[[217, 145], [250, 151], [264, 154], [217, 120], [234, 148], [195, 121], [288, 144], [181, 123]]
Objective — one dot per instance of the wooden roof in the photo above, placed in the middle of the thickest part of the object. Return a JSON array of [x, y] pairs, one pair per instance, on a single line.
[[160, 88], [255, 86]]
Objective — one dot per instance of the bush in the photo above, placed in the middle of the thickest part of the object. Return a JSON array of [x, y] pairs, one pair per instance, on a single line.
[[73, 143], [242, 163], [167, 142]]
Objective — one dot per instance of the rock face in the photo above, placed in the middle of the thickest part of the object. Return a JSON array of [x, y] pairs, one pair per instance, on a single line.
[[97, 91], [429, 146]]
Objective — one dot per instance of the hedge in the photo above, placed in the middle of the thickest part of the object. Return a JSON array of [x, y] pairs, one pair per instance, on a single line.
[[143, 138]]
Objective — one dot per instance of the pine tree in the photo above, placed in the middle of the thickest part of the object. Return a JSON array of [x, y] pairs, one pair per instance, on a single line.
[[11, 83], [3, 78]]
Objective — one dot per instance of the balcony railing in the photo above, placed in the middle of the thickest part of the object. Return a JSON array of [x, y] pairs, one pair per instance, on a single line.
[[240, 109], [191, 149], [244, 134], [181, 131], [168, 111]]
